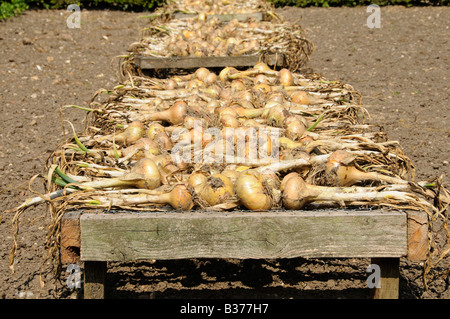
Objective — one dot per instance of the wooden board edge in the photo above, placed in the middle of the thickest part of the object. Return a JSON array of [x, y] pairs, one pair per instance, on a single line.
[[99, 245], [70, 237], [258, 16], [418, 243], [150, 63]]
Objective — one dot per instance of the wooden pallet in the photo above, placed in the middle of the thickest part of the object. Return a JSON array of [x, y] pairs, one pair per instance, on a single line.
[[154, 63], [384, 236], [257, 16]]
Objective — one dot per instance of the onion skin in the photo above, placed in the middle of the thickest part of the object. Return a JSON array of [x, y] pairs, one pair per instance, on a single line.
[[251, 192]]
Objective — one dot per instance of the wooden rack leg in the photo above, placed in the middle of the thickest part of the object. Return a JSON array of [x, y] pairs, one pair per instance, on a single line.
[[94, 279], [389, 279]]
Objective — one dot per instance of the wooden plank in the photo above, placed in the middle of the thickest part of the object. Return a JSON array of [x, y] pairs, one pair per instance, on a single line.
[[144, 62], [258, 16], [94, 279], [389, 278], [126, 237], [418, 243], [70, 237]]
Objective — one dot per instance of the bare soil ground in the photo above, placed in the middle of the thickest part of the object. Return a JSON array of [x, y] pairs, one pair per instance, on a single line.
[[401, 69]]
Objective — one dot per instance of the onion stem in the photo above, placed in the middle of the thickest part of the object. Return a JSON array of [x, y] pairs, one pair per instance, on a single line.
[[319, 119]]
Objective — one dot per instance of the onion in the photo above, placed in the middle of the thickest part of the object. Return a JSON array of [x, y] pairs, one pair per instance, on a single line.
[[238, 85], [231, 173], [295, 128], [145, 174], [210, 79], [248, 113], [179, 198], [217, 190], [163, 140], [250, 123], [296, 193], [275, 115], [261, 66], [251, 191], [187, 34], [170, 84], [285, 77], [212, 105], [276, 97], [223, 75], [198, 181], [199, 135], [229, 120], [340, 172], [202, 73], [155, 128], [227, 111], [261, 79], [304, 98], [161, 160], [218, 150], [286, 142], [130, 135], [245, 96], [190, 121], [174, 115], [262, 87], [194, 84], [145, 145]]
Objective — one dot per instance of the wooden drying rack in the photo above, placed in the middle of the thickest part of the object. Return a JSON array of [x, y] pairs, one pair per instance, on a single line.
[[155, 63], [384, 236], [97, 238]]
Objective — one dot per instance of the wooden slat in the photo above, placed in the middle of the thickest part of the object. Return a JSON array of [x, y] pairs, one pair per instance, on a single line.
[[144, 62], [95, 279], [258, 16], [389, 278], [126, 237]]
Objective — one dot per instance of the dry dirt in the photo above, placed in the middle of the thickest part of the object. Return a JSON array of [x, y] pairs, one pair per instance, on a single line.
[[401, 69]]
